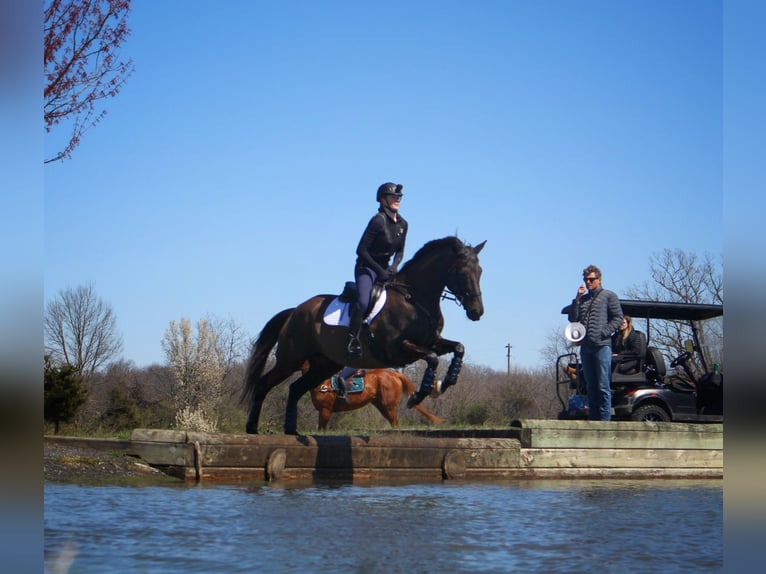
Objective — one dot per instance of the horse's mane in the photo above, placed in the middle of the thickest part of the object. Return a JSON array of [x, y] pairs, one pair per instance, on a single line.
[[435, 244]]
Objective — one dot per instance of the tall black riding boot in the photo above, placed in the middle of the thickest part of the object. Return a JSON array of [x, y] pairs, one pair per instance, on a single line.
[[354, 348]]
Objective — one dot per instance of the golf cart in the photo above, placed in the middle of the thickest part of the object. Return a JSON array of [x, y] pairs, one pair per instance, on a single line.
[[646, 392]]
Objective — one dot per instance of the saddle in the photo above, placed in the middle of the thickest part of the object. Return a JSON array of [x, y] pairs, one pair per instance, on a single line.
[[357, 383], [349, 294], [338, 311]]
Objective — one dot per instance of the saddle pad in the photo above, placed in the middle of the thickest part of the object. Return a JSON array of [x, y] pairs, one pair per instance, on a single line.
[[357, 384], [337, 313]]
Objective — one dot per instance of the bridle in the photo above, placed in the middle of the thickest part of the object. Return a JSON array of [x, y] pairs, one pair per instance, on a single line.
[[452, 295]]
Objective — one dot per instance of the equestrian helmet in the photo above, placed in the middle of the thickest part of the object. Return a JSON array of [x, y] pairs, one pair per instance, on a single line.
[[389, 189]]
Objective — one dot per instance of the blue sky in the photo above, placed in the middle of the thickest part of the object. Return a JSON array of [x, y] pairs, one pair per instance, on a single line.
[[235, 172]]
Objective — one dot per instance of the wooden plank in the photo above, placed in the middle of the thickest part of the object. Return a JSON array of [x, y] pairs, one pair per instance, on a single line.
[[616, 438], [386, 454], [621, 458], [618, 425], [556, 449], [236, 474], [158, 435], [158, 453], [275, 440], [618, 434]]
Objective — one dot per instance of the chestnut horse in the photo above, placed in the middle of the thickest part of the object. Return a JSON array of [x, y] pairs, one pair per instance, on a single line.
[[407, 329], [382, 387]]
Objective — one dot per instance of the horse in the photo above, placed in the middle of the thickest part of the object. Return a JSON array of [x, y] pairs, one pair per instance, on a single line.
[[382, 387], [407, 329]]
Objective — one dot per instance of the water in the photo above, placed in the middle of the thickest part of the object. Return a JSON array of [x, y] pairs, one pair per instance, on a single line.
[[519, 526]]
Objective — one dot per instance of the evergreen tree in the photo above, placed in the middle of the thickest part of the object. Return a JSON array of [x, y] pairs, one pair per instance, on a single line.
[[64, 394]]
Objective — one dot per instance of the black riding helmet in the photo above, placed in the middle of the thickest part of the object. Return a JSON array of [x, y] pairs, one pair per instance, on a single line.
[[389, 189]]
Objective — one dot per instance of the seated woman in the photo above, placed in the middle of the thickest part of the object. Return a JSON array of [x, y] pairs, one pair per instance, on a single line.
[[626, 341]]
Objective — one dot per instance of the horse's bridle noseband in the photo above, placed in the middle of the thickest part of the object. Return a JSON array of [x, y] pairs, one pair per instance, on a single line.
[[452, 295]]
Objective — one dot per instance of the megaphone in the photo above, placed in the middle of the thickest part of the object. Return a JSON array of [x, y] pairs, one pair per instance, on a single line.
[[575, 332]]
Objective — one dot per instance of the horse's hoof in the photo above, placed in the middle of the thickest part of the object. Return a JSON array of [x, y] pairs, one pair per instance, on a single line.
[[437, 390], [251, 430]]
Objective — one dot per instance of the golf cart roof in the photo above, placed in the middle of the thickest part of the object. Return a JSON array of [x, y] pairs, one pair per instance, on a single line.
[[666, 310]]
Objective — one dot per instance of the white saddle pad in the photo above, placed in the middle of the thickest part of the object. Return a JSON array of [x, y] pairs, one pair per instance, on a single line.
[[337, 313]]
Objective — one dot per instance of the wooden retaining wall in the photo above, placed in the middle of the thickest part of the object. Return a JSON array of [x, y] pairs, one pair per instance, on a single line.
[[527, 449]]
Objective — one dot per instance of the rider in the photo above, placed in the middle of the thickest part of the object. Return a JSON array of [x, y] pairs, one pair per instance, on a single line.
[[384, 238]]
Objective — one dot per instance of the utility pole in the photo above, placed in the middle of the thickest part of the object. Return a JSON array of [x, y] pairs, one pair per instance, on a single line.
[[508, 357]]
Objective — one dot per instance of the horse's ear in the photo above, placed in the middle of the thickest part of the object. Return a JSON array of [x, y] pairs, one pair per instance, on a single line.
[[479, 247]]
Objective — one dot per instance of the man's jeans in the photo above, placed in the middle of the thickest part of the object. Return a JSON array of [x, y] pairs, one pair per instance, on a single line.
[[597, 368]]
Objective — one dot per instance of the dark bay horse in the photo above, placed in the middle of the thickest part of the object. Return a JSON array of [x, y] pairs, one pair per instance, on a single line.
[[382, 387], [407, 329]]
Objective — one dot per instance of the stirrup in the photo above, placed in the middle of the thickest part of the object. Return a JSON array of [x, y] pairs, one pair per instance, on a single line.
[[354, 348]]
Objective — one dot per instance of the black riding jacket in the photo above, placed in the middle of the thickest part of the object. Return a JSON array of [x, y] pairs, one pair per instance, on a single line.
[[382, 239]]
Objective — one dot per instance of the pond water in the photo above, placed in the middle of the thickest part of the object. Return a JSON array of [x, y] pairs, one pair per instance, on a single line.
[[513, 526]]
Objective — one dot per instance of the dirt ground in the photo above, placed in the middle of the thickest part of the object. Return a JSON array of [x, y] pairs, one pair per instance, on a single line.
[[65, 462]]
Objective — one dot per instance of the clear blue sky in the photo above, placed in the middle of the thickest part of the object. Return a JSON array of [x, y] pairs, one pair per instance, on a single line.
[[234, 173]]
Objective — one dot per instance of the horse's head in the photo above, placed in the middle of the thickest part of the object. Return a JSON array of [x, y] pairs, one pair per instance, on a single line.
[[464, 281]]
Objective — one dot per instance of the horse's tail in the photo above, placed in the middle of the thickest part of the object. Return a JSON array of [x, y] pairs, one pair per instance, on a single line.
[[409, 389], [260, 353]]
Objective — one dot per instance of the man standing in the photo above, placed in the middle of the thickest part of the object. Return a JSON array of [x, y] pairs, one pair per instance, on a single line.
[[600, 311]]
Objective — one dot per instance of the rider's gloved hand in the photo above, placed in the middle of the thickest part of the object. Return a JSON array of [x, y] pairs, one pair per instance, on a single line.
[[385, 275]]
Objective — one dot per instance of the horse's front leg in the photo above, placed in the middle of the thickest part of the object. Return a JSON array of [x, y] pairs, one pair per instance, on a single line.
[[431, 356], [442, 347], [427, 383], [456, 364]]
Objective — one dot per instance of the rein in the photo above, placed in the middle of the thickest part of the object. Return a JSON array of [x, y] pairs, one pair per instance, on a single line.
[[409, 295], [450, 295]]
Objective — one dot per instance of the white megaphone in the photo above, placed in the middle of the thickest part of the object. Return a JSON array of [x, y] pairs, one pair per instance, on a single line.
[[575, 332]]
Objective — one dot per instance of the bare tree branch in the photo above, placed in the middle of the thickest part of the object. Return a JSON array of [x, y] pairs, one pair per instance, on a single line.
[[682, 277], [81, 63]]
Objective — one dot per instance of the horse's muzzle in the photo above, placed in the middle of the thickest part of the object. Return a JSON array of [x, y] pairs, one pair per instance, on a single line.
[[475, 313]]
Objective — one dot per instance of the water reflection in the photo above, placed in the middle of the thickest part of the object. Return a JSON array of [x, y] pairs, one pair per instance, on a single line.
[[501, 526]]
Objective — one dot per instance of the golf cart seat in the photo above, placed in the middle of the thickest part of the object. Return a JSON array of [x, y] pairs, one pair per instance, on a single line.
[[631, 363], [651, 370]]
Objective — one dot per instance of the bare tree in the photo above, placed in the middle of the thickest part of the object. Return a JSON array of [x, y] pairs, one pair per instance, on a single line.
[[80, 330], [82, 66], [681, 277], [232, 341]]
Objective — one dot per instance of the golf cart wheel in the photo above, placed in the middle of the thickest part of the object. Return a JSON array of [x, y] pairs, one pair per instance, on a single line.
[[653, 413]]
